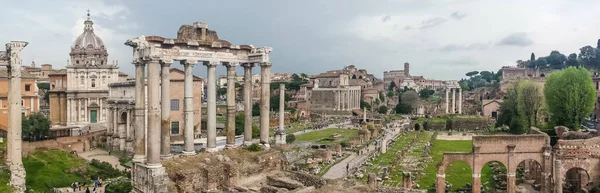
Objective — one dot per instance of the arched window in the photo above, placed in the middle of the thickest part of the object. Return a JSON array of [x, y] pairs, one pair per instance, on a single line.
[[93, 83]]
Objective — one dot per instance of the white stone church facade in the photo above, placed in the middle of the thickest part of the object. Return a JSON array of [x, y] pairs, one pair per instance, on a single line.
[[88, 76]]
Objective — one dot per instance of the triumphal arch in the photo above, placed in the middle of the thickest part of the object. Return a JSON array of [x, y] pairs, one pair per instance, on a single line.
[[194, 44]]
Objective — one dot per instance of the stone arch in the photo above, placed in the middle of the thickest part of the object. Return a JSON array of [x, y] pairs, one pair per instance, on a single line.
[[494, 168], [354, 76], [360, 77], [449, 159], [576, 179], [417, 127], [542, 75], [529, 172]]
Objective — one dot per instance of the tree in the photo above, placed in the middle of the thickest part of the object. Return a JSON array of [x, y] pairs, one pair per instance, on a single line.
[[487, 76], [572, 60], [410, 98], [529, 102], [392, 86], [274, 101], [382, 97], [508, 114], [239, 124], [119, 187], [472, 73], [570, 96], [541, 62], [402, 108], [222, 92], [35, 127], [532, 58], [390, 94], [256, 109], [364, 104], [382, 109], [556, 60], [588, 56], [425, 93]]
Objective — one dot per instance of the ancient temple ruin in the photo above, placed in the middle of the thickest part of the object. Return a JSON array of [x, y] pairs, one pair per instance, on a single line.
[[194, 44]]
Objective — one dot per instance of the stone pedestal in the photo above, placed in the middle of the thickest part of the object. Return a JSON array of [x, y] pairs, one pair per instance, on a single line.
[[149, 179], [280, 138], [383, 146]]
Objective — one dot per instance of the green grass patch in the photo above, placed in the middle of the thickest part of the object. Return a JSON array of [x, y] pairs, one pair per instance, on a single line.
[[325, 136], [436, 120], [457, 173], [53, 167], [4, 180]]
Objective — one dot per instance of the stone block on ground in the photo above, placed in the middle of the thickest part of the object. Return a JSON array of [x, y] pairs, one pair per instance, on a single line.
[[283, 182], [271, 189]]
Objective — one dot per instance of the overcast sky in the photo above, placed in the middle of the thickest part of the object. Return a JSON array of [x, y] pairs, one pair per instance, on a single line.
[[441, 39]]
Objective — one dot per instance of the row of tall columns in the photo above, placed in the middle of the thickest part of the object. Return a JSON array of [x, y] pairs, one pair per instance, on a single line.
[[140, 113], [347, 99], [211, 120], [154, 114], [453, 110], [188, 109]]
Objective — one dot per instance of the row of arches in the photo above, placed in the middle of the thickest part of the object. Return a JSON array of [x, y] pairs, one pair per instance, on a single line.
[[493, 177]]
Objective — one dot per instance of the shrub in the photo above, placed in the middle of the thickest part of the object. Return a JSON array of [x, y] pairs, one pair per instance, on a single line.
[[344, 144], [290, 138], [254, 148], [119, 187]]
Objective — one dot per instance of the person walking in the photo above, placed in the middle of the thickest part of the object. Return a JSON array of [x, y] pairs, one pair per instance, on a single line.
[[347, 168], [74, 186], [87, 190]]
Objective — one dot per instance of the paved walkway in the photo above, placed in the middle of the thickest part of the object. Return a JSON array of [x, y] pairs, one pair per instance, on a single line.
[[98, 190], [101, 156], [339, 170]]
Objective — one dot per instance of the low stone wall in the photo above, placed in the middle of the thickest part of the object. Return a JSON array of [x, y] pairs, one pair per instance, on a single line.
[[435, 126], [468, 123], [73, 143]]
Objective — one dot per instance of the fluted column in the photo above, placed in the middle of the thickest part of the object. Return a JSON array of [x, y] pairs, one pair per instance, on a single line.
[[337, 100], [115, 128], [447, 102], [248, 103], [211, 120], [62, 102], [165, 98], [129, 138], [230, 142], [265, 76], [140, 113], [188, 109], [154, 113], [281, 107], [459, 101], [453, 101]]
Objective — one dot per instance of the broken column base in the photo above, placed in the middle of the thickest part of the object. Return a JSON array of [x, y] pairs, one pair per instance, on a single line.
[[247, 143], [149, 178], [280, 138], [188, 153], [230, 146], [212, 149], [17, 178]]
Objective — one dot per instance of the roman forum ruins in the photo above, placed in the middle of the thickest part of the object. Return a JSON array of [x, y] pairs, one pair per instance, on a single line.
[[194, 44], [11, 58]]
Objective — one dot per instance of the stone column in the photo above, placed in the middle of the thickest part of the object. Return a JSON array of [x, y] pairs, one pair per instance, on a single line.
[[459, 101], [230, 142], [211, 120], [280, 134], [440, 183], [338, 98], [447, 102], [109, 127], [559, 177], [115, 128], [63, 113], [188, 109], [165, 100], [129, 138], [453, 102], [140, 112], [365, 115], [265, 76], [17, 171], [154, 114], [248, 103], [511, 169]]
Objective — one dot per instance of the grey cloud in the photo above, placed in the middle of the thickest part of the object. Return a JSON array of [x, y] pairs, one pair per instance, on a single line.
[[520, 39], [458, 15], [432, 22], [465, 47], [408, 27], [386, 18]]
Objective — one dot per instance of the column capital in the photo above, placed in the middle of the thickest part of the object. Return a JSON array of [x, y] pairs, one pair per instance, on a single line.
[[137, 63], [265, 64], [166, 63], [153, 59], [248, 65], [188, 62], [210, 63], [230, 65]]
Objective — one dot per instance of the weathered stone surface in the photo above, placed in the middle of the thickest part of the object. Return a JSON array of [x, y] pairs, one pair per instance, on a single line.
[[271, 189], [305, 190], [308, 180], [283, 182]]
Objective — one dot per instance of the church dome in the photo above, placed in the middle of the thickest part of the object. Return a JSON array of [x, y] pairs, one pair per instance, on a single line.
[[88, 39]]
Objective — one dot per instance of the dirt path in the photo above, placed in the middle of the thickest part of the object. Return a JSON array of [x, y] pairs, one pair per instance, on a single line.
[[339, 170]]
